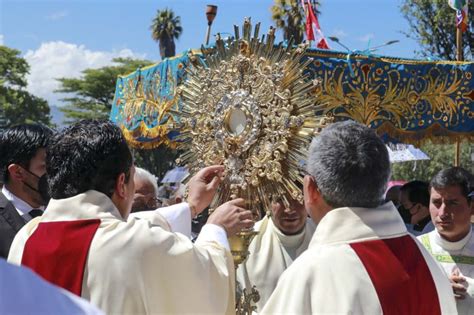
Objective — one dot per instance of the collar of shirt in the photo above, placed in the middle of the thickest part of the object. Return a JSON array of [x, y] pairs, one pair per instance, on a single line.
[[91, 204], [291, 241], [349, 225], [452, 246], [21, 206]]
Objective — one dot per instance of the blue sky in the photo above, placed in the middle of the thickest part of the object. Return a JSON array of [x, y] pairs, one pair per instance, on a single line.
[[60, 38]]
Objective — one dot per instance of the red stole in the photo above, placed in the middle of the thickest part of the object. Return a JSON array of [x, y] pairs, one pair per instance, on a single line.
[[58, 251], [400, 275]]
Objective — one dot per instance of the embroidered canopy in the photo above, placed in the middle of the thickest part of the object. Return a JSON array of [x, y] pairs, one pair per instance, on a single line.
[[402, 99], [145, 100]]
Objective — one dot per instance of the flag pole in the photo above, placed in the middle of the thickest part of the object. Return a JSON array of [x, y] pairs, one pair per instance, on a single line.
[[211, 12], [459, 48], [459, 57], [306, 16]]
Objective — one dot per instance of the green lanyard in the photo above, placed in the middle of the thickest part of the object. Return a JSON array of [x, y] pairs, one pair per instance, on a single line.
[[458, 259]]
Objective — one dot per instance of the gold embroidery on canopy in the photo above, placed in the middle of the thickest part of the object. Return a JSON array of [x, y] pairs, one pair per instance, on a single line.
[[158, 134], [371, 97]]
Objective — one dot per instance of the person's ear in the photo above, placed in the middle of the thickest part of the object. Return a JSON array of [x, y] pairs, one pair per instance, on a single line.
[[310, 190], [120, 183], [15, 171]]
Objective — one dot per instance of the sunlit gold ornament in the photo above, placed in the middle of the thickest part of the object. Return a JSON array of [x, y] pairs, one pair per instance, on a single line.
[[251, 108]]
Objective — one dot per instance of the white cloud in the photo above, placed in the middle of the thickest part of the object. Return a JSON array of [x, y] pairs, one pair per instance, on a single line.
[[53, 60], [57, 15], [339, 33], [366, 37], [1, 39]]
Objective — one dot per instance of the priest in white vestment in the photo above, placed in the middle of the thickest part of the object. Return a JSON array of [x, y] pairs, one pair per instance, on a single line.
[[361, 259], [86, 243], [283, 235], [452, 242]]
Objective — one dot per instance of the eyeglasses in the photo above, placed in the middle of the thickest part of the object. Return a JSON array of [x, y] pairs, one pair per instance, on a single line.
[[149, 202]]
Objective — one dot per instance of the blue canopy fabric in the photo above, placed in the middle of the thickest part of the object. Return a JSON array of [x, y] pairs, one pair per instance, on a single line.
[[404, 100], [146, 101]]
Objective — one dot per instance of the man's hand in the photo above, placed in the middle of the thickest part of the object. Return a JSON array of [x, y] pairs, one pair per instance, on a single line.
[[457, 282], [232, 216], [202, 188]]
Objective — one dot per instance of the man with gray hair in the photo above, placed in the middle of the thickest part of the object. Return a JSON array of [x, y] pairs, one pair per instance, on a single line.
[[361, 259], [146, 191]]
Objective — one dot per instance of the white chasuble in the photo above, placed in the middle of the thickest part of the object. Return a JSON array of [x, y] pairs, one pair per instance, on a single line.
[[271, 252], [131, 266], [456, 258], [363, 261]]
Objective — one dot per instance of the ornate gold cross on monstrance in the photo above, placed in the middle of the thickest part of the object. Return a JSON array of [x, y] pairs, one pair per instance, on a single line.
[[251, 108]]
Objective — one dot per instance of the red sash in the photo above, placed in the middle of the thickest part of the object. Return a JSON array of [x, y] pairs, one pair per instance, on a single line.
[[400, 276], [58, 251]]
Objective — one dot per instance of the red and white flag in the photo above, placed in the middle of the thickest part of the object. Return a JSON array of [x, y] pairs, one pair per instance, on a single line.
[[313, 30]]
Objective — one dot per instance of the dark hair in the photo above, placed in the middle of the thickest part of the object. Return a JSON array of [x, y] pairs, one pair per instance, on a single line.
[[417, 192], [454, 176], [90, 154], [19, 144], [350, 165]]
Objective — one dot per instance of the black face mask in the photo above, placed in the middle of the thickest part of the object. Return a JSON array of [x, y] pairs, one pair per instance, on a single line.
[[401, 208], [404, 213], [42, 188]]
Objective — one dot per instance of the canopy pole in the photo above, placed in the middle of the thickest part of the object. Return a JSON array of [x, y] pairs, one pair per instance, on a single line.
[[459, 57], [457, 148]]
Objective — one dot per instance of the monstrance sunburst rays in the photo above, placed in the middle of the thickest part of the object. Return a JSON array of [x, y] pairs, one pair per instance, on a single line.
[[250, 107]]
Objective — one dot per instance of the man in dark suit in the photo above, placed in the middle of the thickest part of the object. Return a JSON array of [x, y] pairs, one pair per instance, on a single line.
[[22, 167]]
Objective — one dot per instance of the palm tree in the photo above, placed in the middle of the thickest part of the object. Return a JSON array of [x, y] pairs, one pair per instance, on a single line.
[[166, 27], [289, 15]]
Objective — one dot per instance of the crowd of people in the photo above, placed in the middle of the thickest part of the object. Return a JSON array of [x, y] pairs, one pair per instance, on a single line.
[[99, 237]]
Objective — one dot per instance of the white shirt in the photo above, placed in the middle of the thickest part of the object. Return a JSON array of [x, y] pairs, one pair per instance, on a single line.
[[21, 206], [23, 292]]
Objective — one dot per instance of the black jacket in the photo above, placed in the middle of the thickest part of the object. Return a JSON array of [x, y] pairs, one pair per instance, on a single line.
[[10, 223]]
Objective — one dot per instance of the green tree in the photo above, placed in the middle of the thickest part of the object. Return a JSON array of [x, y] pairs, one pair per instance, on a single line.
[[165, 28], [433, 26], [157, 161], [93, 93], [442, 156], [289, 16], [16, 104]]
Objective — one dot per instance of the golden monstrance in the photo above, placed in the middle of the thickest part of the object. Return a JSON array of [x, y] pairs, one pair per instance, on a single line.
[[250, 107]]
